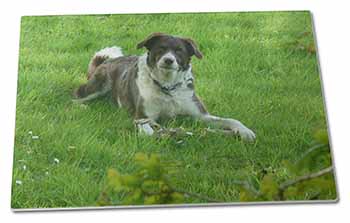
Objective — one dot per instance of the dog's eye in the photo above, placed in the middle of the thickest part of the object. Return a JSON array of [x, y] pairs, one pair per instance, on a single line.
[[178, 50], [162, 48]]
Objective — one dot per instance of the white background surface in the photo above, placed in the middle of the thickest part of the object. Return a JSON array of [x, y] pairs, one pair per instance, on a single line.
[[332, 29]]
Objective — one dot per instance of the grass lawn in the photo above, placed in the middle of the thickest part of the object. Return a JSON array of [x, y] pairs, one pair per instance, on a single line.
[[253, 70]]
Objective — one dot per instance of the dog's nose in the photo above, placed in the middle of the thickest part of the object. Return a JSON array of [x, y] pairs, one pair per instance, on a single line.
[[168, 61]]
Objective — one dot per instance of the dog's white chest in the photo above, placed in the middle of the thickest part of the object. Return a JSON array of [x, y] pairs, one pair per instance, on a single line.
[[157, 104]]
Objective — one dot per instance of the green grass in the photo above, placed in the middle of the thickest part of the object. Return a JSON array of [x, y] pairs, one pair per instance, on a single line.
[[250, 72]]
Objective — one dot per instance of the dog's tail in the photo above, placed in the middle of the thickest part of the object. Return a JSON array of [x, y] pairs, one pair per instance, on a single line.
[[101, 56]]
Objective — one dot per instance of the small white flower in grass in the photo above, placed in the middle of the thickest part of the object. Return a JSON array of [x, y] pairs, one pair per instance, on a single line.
[[24, 167], [35, 137], [180, 142], [83, 106], [57, 161], [18, 182], [189, 133]]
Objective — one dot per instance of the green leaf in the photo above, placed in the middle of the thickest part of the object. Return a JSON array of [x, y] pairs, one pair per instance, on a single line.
[[246, 195], [134, 197], [154, 199], [176, 198], [269, 187], [114, 180], [291, 193], [132, 181], [321, 136], [140, 157], [291, 168], [150, 186]]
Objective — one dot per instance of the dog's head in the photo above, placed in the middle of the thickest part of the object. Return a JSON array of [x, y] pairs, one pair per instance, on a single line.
[[169, 54]]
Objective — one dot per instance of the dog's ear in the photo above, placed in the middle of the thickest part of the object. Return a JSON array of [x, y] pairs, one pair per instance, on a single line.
[[149, 40], [192, 47]]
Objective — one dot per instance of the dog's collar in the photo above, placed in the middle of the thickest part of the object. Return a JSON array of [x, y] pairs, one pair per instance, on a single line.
[[166, 90]]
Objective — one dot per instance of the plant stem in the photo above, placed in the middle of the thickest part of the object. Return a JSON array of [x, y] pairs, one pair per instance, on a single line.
[[300, 179]]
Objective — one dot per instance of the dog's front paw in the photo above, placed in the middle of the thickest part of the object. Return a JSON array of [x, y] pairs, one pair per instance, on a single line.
[[246, 134], [145, 126], [240, 129], [145, 129]]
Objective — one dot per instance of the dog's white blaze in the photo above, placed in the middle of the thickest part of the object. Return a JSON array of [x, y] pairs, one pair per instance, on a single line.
[[157, 104], [168, 55]]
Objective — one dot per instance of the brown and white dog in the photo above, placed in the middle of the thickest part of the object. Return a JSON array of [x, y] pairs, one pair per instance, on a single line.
[[158, 84]]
